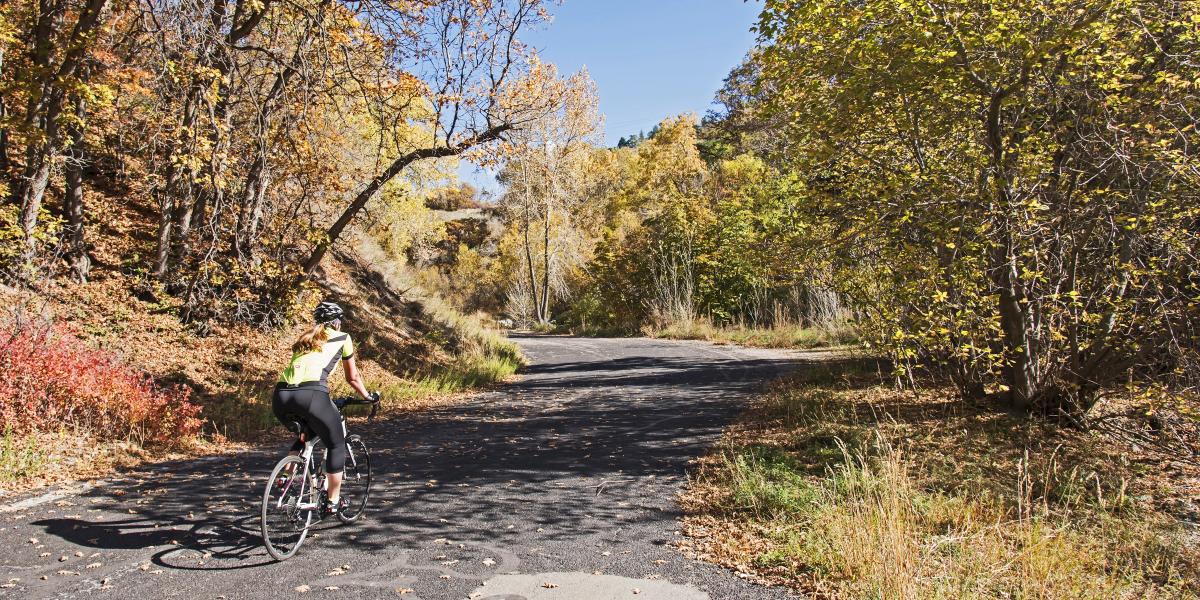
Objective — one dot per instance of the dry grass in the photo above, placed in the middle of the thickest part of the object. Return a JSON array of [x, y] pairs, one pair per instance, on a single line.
[[848, 490], [781, 336]]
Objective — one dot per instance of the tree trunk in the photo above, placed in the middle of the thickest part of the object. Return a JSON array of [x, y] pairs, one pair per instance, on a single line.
[[4, 162], [533, 294], [544, 315], [76, 243], [1019, 373], [250, 207], [33, 189], [45, 106]]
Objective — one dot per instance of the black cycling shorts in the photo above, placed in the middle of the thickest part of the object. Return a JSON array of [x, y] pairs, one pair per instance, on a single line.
[[310, 404]]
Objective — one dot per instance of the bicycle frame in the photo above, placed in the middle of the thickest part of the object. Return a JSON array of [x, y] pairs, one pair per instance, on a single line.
[[305, 479], [310, 445]]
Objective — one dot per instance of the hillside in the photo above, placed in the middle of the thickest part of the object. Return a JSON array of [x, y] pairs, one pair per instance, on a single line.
[[411, 346]]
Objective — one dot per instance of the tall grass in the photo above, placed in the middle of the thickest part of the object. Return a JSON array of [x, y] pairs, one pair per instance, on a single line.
[[857, 514], [869, 530], [786, 335]]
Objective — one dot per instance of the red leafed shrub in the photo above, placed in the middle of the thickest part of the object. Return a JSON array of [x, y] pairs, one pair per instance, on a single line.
[[49, 379]]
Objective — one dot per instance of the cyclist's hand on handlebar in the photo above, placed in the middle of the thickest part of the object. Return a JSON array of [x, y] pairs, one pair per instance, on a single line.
[[373, 397]]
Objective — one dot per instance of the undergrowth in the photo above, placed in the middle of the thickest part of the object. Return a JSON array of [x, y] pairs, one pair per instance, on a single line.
[[862, 492], [52, 380]]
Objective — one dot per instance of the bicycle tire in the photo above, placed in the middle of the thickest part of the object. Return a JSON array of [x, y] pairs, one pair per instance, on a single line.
[[282, 540], [356, 479]]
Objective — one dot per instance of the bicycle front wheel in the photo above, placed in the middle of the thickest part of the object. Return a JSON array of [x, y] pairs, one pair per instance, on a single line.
[[287, 508], [356, 481]]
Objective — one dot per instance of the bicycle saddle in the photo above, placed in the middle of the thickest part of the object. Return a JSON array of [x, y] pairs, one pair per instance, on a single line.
[[295, 424]]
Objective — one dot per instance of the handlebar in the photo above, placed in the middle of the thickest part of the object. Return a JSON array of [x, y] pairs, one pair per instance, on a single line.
[[343, 401]]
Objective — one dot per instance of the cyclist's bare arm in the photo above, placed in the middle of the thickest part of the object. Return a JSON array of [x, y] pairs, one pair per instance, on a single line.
[[354, 378]]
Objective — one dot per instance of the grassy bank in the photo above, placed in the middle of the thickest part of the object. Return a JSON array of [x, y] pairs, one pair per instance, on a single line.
[[781, 336], [842, 488]]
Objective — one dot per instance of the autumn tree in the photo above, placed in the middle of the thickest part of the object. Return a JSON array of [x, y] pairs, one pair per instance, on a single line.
[[43, 85], [1010, 187], [546, 176]]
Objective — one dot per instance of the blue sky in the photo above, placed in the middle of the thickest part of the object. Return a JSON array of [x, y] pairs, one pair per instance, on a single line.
[[650, 59]]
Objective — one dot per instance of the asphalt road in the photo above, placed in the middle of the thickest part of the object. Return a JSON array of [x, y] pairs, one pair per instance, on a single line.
[[559, 486]]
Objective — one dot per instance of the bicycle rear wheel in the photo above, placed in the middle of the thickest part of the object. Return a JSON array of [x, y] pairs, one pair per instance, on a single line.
[[356, 480], [287, 508]]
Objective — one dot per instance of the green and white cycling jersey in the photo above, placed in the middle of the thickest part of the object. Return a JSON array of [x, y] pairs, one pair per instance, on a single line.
[[316, 366]]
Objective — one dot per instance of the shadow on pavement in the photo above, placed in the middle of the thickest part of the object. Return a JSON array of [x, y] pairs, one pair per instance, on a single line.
[[487, 471]]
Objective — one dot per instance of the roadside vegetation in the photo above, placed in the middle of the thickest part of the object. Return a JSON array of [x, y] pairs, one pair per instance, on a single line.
[[779, 335], [1004, 198], [842, 486]]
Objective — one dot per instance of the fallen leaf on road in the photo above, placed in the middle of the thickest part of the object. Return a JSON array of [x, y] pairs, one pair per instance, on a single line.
[[549, 585], [33, 540], [403, 591], [156, 572], [63, 558], [488, 562], [637, 591], [93, 566], [330, 588], [303, 589], [335, 573], [443, 577], [68, 572]]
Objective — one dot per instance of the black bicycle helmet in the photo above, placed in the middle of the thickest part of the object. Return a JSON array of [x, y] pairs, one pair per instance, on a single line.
[[327, 312]]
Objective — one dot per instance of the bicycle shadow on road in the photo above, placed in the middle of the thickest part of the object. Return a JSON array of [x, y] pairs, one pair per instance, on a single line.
[[211, 544]]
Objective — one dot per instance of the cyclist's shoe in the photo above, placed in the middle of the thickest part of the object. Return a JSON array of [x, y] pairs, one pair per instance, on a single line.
[[328, 508]]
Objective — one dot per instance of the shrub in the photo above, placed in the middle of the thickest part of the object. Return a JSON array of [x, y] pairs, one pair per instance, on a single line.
[[49, 379]]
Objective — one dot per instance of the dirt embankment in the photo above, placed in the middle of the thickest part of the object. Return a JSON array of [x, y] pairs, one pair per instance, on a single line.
[[406, 340]]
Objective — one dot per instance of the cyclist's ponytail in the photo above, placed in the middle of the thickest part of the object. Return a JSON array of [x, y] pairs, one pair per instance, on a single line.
[[311, 341]]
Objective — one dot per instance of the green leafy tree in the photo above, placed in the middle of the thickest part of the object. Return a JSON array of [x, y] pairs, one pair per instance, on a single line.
[[1010, 187]]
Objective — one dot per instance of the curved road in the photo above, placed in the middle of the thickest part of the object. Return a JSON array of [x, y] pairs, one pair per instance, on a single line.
[[559, 486]]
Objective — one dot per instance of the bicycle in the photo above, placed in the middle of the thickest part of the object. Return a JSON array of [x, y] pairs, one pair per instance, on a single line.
[[297, 487]]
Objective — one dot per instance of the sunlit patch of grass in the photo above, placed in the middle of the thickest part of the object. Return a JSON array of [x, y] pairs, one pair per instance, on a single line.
[[469, 372], [780, 336]]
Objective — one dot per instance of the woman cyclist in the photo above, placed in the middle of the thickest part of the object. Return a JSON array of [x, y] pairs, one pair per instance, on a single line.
[[303, 392]]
